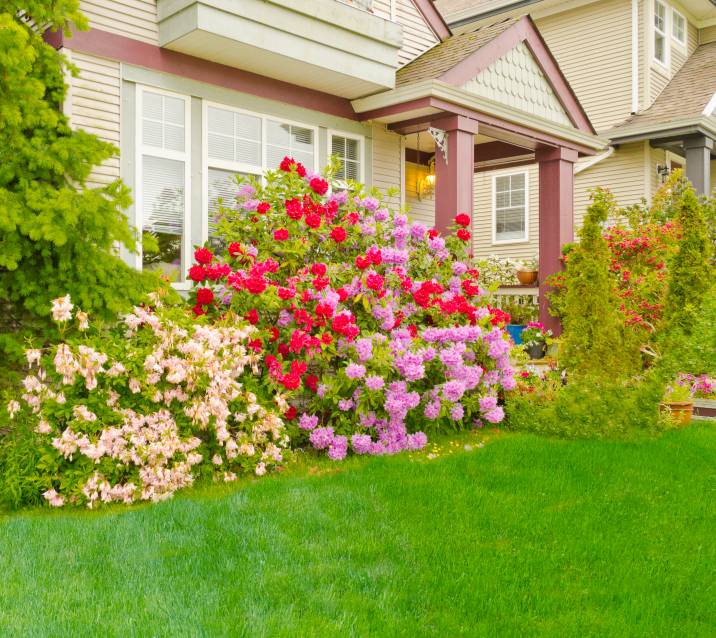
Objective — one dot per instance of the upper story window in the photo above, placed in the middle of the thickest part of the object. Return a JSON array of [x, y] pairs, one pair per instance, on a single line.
[[349, 150], [660, 40], [509, 215], [678, 27], [162, 186]]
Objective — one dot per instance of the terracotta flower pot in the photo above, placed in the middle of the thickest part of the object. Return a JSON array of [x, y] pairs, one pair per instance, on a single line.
[[680, 411], [527, 277]]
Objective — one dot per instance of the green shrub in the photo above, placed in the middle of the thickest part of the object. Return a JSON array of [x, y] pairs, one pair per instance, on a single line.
[[595, 341], [57, 235]]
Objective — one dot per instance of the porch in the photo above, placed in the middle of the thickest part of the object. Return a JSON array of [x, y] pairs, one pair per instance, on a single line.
[[486, 100]]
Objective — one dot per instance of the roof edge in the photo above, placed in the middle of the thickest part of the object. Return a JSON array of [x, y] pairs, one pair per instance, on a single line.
[[434, 18], [523, 30], [640, 132]]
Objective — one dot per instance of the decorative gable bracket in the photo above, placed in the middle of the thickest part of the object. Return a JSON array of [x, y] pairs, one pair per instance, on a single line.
[[441, 141]]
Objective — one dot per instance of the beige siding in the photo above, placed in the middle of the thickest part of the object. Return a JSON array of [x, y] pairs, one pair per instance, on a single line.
[[94, 99], [386, 162], [592, 45], [417, 35], [623, 174], [482, 220], [707, 34], [420, 210], [131, 18]]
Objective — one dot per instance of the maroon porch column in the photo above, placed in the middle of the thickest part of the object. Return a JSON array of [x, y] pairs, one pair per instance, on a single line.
[[556, 218], [454, 178]]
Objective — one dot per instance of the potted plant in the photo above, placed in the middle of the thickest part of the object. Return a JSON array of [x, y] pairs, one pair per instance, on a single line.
[[536, 338], [679, 402], [527, 271], [703, 392], [520, 315]]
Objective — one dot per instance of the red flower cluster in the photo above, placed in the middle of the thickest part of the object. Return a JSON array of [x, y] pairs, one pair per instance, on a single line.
[[462, 219], [288, 164]]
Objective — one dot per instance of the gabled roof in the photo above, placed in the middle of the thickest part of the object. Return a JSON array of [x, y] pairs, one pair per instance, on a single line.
[[464, 56], [685, 97]]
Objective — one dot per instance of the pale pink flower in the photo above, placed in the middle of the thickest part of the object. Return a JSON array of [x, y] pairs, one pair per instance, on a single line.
[[229, 476], [33, 356], [216, 459], [43, 427], [260, 469], [82, 320], [53, 498], [62, 309], [13, 407]]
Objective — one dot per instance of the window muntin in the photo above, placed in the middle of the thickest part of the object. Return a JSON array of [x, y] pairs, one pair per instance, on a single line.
[[510, 208], [349, 150], [660, 41], [678, 27], [162, 179]]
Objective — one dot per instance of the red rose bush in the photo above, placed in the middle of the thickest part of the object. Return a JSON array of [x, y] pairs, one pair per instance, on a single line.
[[373, 327]]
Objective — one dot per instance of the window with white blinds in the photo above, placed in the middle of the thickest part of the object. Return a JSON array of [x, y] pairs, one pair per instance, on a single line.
[[348, 151], [510, 208], [234, 138], [162, 171], [289, 140]]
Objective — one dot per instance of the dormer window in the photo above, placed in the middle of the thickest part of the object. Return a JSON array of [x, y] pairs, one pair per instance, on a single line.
[[678, 27], [660, 41]]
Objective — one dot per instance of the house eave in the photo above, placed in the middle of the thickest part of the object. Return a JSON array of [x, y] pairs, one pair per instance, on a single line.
[[371, 106], [674, 129], [324, 45]]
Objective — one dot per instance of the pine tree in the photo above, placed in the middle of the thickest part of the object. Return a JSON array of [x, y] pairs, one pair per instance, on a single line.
[[690, 272], [594, 340], [57, 236]]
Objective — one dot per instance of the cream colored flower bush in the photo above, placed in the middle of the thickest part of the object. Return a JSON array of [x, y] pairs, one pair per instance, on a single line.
[[141, 410]]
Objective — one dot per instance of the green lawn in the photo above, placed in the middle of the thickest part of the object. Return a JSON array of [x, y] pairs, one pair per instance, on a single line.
[[524, 537]]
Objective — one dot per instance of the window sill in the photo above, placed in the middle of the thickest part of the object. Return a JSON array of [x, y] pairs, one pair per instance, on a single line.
[[508, 242], [660, 68]]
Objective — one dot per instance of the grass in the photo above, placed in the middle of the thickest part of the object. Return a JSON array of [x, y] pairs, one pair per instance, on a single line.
[[524, 537]]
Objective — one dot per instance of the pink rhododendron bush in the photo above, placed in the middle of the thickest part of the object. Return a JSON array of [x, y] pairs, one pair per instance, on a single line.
[[374, 327], [145, 408]]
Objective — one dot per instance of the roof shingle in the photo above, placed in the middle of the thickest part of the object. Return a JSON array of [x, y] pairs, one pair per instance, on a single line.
[[441, 58], [686, 95]]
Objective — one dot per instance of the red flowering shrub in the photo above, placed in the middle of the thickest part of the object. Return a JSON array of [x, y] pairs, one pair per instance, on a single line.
[[367, 325]]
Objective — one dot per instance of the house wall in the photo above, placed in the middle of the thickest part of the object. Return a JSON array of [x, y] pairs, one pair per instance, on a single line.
[[417, 35], [707, 34], [93, 104], [592, 45], [387, 162], [420, 210], [131, 18]]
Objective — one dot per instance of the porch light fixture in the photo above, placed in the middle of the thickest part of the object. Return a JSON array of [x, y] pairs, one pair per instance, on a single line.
[[425, 185]]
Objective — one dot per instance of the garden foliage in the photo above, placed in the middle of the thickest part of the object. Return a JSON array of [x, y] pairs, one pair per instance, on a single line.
[[374, 326], [57, 234], [138, 411]]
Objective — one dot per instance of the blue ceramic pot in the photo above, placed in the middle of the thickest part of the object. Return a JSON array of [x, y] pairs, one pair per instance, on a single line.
[[515, 331]]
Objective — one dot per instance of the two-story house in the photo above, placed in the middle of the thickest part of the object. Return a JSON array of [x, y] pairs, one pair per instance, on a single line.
[[195, 91], [645, 72]]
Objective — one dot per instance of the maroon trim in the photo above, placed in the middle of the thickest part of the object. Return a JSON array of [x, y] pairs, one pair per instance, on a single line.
[[397, 109], [414, 156], [515, 130], [491, 151], [434, 19], [54, 38], [415, 125], [524, 30], [505, 164], [131, 51]]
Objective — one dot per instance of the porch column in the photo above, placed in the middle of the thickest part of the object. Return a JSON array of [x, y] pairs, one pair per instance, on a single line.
[[556, 218], [698, 162], [454, 177]]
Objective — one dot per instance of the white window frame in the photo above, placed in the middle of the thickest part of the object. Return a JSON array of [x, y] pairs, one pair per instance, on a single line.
[[503, 242], [665, 64], [361, 149], [239, 167], [682, 43], [140, 150]]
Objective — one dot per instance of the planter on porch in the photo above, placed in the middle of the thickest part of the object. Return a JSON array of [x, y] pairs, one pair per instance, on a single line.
[[680, 411], [515, 331]]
